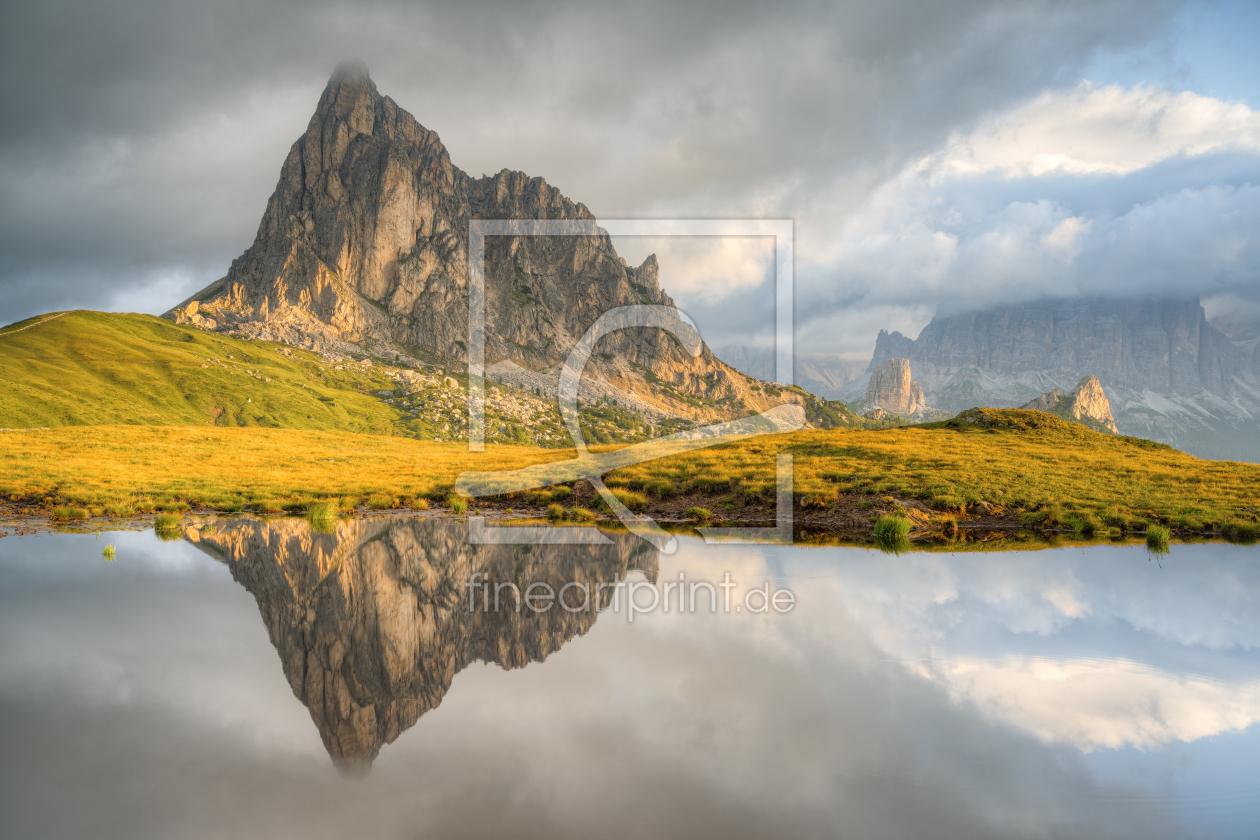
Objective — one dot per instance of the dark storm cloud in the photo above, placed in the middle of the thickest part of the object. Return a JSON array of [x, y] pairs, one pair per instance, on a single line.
[[142, 139]]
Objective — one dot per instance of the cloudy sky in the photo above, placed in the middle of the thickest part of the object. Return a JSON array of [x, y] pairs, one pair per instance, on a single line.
[[931, 155]]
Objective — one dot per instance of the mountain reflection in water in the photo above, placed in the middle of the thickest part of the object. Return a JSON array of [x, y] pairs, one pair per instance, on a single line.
[[372, 620], [1070, 692]]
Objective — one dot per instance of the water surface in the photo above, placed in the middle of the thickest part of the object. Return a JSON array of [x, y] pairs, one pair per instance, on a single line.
[[264, 680]]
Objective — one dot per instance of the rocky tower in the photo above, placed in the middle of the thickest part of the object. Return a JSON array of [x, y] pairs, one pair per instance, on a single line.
[[365, 241], [891, 388], [1087, 404]]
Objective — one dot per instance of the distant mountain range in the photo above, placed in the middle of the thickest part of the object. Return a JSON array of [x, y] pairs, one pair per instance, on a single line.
[[820, 374], [1170, 375]]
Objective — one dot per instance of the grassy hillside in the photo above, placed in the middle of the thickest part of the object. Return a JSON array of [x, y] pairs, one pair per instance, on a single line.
[[1042, 469], [165, 415], [93, 368]]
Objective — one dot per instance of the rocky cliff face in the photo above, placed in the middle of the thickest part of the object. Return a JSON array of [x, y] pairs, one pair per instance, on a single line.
[[1171, 375], [365, 242], [892, 389], [1087, 404], [372, 622]]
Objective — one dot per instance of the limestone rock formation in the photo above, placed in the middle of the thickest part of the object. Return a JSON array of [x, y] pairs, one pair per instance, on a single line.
[[892, 388], [365, 242], [1087, 404], [1169, 374], [372, 621]]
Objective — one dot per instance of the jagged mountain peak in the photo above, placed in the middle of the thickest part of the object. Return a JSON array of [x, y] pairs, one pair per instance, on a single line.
[[1086, 404], [364, 247]]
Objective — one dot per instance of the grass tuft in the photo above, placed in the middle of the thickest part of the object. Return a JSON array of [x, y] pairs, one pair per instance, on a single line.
[[699, 514], [167, 522], [381, 501], [66, 514], [891, 527], [581, 514], [631, 499], [555, 512], [457, 504], [1157, 538], [1244, 532], [1089, 524], [109, 552]]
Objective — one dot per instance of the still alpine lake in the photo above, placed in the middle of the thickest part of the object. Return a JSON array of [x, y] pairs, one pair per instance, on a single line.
[[261, 679]]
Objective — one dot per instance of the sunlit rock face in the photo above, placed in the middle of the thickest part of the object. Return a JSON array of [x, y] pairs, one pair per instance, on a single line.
[[1087, 404], [365, 245], [373, 621]]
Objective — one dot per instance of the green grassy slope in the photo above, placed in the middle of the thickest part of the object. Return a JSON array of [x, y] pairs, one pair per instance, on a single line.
[[94, 368]]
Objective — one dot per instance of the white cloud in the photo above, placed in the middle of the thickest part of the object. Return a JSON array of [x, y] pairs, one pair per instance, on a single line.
[[1091, 191], [704, 268], [1018, 639], [1107, 703], [1093, 129]]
